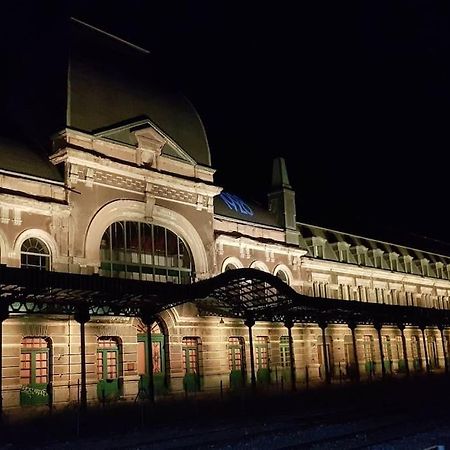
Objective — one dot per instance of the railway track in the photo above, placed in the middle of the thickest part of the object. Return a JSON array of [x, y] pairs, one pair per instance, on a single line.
[[344, 428]]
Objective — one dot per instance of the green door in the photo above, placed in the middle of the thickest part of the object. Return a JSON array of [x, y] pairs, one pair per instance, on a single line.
[[369, 355], [159, 364], [236, 362], [108, 369], [387, 354], [34, 371], [416, 354], [191, 380], [262, 359]]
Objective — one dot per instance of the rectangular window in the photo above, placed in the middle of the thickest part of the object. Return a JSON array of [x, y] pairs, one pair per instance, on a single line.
[[190, 354], [395, 297], [415, 347], [107, 359], [387, 349], [362, 292], [408, 265], [34, 361], [368, 349], [409, 298], [318, 251], [262, 352], [285, 357], [320, 289], [399, 345], [392, 261], [235, 353], [379, 295], [344, 292], [362, 258]]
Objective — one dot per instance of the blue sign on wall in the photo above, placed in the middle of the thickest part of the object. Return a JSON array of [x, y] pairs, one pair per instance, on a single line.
[[236, 204]]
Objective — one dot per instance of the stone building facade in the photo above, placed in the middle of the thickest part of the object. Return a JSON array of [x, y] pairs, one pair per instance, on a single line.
[[127, 191]]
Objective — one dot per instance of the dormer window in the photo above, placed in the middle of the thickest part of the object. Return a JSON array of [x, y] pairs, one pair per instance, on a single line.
[[361, 255], [393, 261], [407, 260], [343, 251], [439, 270], [424, 267], [318, 245], [377, 256]]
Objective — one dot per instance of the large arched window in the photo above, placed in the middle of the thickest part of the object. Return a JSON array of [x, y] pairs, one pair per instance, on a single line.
[[34, 254], [142, 251]]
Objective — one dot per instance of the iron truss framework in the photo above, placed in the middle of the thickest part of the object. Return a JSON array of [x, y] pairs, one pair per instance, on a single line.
[[241, 293]]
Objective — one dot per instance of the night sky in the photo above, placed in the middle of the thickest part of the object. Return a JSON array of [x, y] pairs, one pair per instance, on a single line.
[[355, 96]]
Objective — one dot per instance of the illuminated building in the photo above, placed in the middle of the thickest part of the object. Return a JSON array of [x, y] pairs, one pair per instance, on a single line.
[[124, 212]]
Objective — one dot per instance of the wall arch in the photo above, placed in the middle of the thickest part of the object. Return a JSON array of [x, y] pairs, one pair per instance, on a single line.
[[134, 210], [42, 235], [286, 270], [231, 260], [259, 265]]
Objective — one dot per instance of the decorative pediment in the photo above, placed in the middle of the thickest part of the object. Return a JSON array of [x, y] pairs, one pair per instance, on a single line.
[[151, 142]]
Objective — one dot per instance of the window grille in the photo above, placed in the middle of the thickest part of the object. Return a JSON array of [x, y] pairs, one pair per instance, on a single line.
[[34, 254], [142, 251]]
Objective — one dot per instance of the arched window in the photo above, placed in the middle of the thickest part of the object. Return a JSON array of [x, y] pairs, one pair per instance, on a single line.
[[34, 254], [258, 265], [142, 251], [229, 266], [282, 275]]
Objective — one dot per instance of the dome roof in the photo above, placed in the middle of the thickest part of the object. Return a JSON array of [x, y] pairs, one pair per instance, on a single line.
[[111, 82]]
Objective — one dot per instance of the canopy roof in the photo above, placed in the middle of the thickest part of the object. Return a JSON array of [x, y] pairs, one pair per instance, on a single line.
[[240, 293]]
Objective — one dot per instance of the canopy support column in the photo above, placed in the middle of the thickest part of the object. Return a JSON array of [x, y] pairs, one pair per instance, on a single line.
[[249, 323], [323, 326], [378, 327], [405, 351], [425, 349], [148, 319], [82, 317], [289, 324], [444, 348], [352, 326]]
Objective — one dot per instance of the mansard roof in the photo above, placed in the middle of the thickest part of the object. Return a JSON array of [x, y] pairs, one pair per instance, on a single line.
[[25, 159], [234, 207], [330, 239]]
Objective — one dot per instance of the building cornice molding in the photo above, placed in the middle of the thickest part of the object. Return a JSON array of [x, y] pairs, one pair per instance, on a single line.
[[253, 244], [99, 171], [359, 271], [83, 159], [17, 202]]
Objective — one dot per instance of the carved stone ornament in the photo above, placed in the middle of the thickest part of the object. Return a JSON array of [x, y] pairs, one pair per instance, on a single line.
[[150, 144]]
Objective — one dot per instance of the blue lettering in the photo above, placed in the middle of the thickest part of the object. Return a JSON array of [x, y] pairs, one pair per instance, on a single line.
[[236, 204]]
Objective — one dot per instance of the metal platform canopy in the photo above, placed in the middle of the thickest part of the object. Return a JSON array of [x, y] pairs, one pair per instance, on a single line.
[[247, 294]]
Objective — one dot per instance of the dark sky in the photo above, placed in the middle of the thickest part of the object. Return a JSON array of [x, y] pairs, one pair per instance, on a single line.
[[355, 96]]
